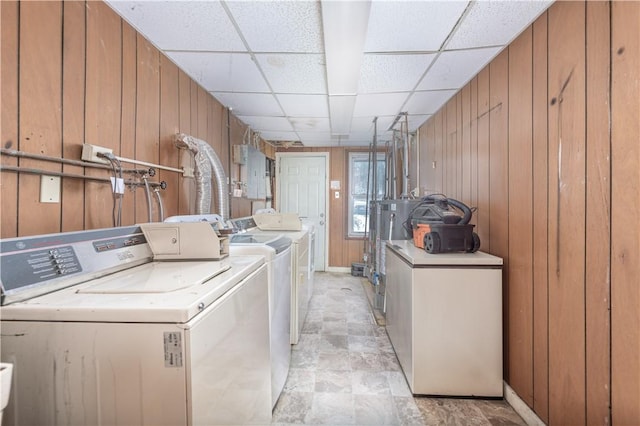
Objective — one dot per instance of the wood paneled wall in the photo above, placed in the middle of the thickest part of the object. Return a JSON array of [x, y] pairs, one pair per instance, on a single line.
[[75, 72], [545, 141]]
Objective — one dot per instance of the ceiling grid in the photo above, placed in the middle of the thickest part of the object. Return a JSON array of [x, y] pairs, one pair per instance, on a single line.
[[319, 72]]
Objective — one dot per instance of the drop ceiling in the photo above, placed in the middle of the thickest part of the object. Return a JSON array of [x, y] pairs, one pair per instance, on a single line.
[[331, 73]]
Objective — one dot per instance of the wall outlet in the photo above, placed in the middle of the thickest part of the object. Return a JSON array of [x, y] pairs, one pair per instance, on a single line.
[[90, 153]]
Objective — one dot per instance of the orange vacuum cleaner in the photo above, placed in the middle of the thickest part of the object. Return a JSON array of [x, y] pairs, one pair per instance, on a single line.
[[441, 225]]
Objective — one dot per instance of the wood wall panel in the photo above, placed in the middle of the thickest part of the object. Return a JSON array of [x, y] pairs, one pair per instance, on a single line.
[[465, 145], [473, 142], [625, 213], [147, 119], [128, 115], [566, 69], [520, 214], [438, 183], [102, 114], [73, 84], [40, 110], [187, 185], [598, 174], [540, 217], [484, 208], [9, 17], [169, 126]]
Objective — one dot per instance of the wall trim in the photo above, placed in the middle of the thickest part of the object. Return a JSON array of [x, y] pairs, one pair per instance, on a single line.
[[338, 269], [521, 407]]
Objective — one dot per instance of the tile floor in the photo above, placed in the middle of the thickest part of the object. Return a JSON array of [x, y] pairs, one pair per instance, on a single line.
[[344, 371]]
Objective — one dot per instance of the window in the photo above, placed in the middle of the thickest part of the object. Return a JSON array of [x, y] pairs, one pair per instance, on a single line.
[[358, 214]]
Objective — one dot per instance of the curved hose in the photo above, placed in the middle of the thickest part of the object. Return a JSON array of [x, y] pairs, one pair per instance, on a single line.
[[206, 162], [156, 190], [147, 192], [463, 208]]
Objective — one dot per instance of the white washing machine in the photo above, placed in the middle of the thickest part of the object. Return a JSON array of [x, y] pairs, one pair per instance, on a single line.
[[277, 251], [302, 270], [100, 334]]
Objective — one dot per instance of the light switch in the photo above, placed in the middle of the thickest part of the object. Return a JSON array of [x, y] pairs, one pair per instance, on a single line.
[[337, 194], [49, 189]]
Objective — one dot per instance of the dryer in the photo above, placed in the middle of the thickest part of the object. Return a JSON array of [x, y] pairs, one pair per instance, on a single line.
[[98, 333]]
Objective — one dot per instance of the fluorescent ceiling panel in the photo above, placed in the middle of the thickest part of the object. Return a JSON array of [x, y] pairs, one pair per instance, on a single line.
[[345, 29], [279, 136], [310, 124], [392, 73], [304, 105], [262, 124], [294, 73], [453, 69], [341, 112], [258, 104], [428, 102], [279, 26], [221, 72], [409, 26], [197, 25], [494, 23], [371, 105]]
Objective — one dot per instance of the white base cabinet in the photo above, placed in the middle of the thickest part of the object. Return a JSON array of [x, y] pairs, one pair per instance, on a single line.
[[444, 320]]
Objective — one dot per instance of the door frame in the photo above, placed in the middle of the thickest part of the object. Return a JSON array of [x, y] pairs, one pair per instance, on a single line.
[[327, 158]]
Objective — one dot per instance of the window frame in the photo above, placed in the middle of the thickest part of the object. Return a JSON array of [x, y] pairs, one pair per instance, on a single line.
[[352, 198]]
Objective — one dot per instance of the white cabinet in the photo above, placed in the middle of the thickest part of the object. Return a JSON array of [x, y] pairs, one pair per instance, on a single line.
[[444, 319]]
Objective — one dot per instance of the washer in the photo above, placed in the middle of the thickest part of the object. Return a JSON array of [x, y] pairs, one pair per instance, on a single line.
[[302, 268], [100, 334], [277, 251], [278, 254]]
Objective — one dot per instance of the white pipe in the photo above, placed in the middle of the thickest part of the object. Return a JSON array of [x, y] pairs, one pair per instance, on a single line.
[[144, 163]]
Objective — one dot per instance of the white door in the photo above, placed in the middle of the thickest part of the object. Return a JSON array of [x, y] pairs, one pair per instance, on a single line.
[[302, 188]]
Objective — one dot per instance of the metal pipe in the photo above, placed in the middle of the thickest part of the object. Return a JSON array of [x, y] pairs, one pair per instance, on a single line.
[[33, 171], [144, 163], [23, 154]]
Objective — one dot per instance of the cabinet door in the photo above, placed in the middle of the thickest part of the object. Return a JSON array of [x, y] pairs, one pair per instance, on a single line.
[[399, 311]]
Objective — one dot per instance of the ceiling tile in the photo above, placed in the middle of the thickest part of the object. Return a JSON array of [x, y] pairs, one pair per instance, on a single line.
[[415, 121], [493, 23], [379, 104], [392, 73], [428, 102], [279, 136], [304, 105], [279, 26], [178, 25], [453, 69], [258, 104], [424, 25], [262, 124], [223, 72], [294, 73], [309, 124], [365, 124]]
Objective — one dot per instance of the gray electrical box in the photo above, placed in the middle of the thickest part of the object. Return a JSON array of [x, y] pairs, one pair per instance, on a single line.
[[256, 173]]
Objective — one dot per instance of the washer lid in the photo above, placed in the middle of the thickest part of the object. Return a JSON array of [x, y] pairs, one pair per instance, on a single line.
[[157, 277], [161, 292]]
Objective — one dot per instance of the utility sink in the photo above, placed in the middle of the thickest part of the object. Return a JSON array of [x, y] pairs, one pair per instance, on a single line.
[[6, 371]]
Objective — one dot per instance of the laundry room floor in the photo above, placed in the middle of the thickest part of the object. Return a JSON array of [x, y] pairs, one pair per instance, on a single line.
[[344, 371]]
